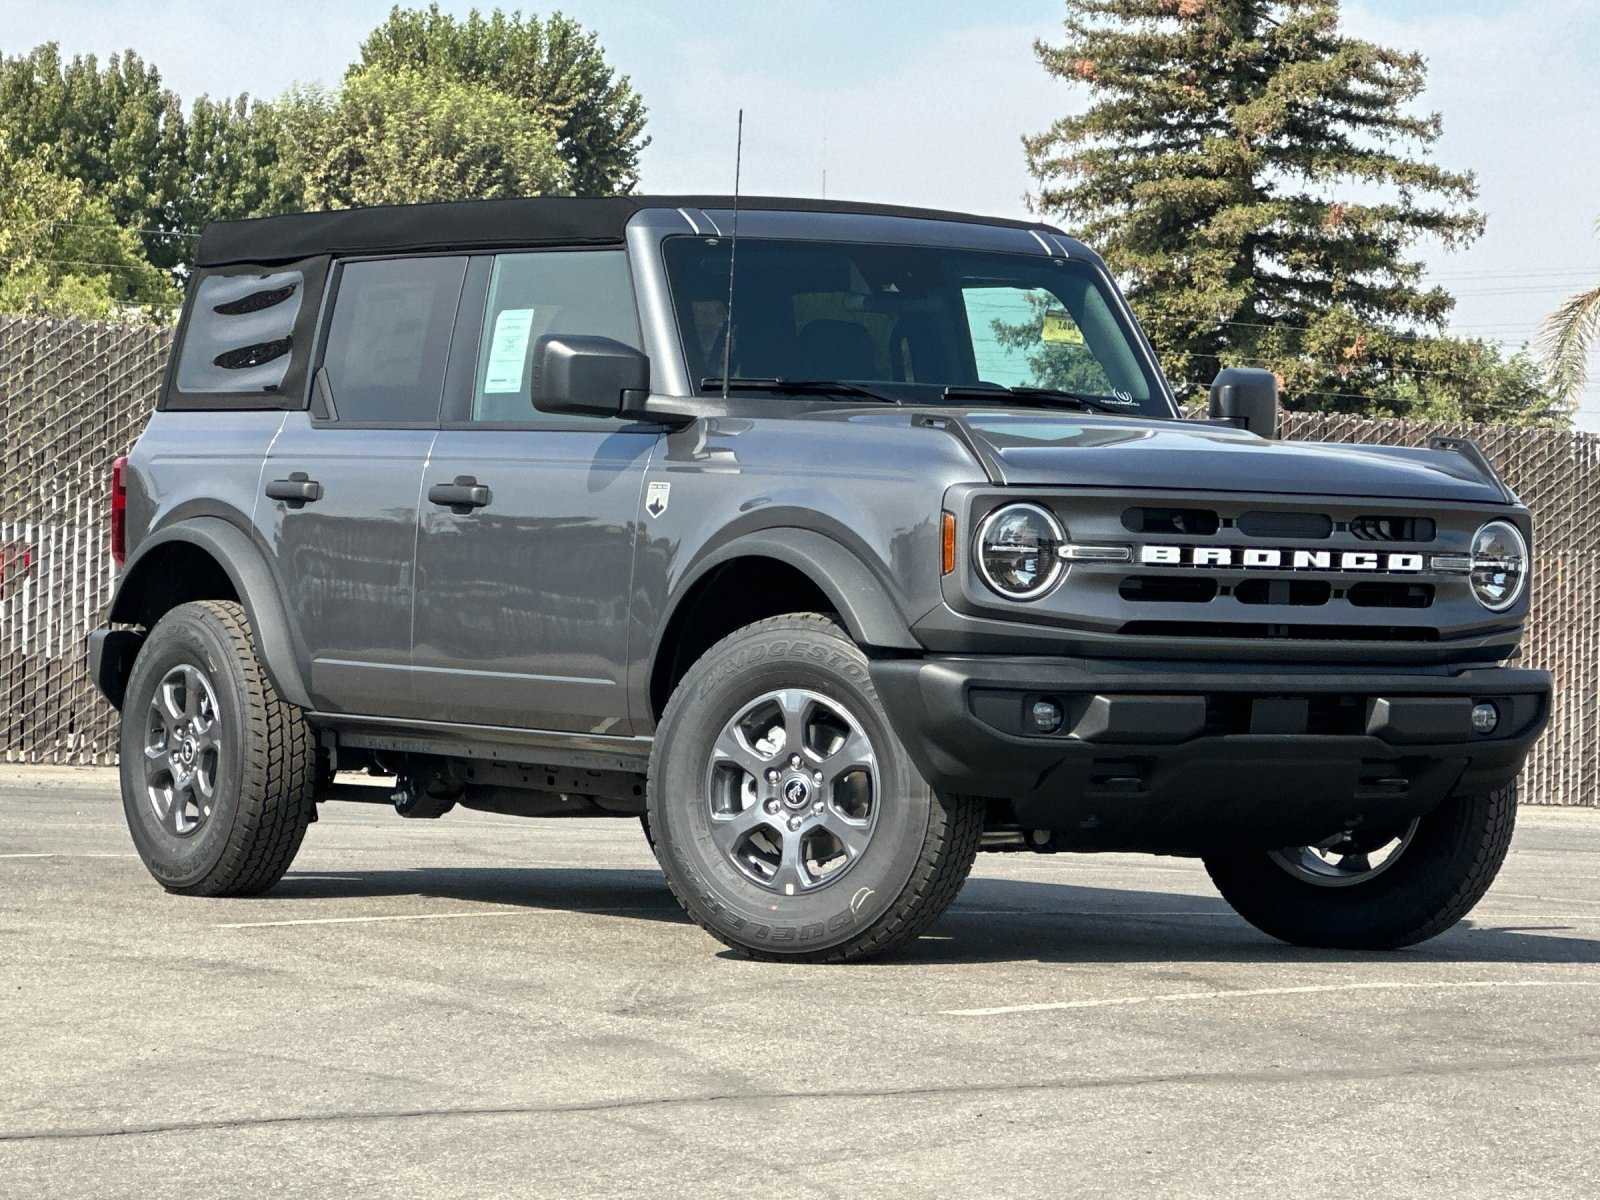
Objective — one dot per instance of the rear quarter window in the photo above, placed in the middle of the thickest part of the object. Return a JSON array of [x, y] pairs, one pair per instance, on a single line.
[[246, 337]]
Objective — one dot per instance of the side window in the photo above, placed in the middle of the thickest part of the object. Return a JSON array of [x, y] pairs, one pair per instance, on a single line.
[[390, 337], [530, 295]]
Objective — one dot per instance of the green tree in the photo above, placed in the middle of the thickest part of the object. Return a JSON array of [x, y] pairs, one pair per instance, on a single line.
[[405, 137], [114, 129], [553, 66], [123, 135], [62, 252], [1568, 336], [1258, 178], [231, 164]]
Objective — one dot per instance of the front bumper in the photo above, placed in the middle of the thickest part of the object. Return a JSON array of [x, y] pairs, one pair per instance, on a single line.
[[1187, 758]]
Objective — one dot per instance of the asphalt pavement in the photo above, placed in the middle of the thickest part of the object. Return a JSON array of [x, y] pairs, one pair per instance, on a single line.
[[480, 1006]]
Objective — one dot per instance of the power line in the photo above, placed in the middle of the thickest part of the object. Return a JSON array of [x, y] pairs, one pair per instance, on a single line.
[[73, 262], [191, 234]]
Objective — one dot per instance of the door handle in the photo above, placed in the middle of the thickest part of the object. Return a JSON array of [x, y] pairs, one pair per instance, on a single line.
[[297, 490], [461, 495]]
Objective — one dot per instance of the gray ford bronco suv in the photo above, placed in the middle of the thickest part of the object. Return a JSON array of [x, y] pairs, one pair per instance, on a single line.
[[837, 542]]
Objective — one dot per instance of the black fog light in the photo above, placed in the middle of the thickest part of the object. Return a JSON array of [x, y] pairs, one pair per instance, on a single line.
[[1046, 716], [1485, 717]]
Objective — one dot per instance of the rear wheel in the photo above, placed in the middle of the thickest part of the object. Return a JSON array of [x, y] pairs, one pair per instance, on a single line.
[[218, 772], [787, 816], [1379, 890]]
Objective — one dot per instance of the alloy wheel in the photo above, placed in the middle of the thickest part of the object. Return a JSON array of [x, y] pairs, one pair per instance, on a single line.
[[793, 790], [1347, 859], [183, 750]]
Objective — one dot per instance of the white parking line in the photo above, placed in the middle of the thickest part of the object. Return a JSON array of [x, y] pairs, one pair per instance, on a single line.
[[1248, 993], [449, 916]]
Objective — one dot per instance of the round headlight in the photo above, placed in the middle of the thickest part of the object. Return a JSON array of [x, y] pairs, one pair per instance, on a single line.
[[1017, 548], [1499, 565]]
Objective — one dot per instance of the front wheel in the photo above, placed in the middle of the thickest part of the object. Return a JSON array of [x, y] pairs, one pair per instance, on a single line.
[[1378, 890], [788, 818]]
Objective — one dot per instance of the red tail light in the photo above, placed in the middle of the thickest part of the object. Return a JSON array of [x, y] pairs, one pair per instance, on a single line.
[[119, 511]]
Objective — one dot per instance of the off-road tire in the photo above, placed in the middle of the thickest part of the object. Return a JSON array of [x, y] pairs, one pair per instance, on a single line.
[[1445, 870], [266, 783], [900, 884]]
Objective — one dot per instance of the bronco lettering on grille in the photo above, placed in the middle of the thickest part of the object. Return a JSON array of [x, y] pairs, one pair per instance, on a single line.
[[1259, 558]]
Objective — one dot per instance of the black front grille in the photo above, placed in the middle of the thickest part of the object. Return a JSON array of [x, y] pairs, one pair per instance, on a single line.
[[1394, 529], [1299, 592], [1167, 589], [1190, 522], [1285, 525], [1391, 595]]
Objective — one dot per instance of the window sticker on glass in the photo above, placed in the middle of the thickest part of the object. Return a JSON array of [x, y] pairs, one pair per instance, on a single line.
[[1061, 329], [508, 351]]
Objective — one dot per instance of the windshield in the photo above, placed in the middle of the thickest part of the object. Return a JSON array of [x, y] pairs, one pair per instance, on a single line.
[[914, 319]]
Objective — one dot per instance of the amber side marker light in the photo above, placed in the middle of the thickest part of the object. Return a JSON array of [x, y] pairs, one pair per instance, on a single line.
[[949, 542]]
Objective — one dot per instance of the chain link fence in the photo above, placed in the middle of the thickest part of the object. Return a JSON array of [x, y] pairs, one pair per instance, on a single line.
[[75, 395]]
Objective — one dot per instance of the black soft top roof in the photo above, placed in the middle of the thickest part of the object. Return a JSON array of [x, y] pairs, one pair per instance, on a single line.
[[475, 224]]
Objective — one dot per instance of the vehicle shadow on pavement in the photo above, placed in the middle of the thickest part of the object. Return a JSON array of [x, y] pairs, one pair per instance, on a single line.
[[998, 920], [993, 920], [640, 894]]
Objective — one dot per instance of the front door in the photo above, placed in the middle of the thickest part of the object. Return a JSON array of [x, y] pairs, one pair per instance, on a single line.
[[529, 521], [340, 486]]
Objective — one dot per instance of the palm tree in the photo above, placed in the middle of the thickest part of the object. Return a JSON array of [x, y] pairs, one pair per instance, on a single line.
[[1568, 335]]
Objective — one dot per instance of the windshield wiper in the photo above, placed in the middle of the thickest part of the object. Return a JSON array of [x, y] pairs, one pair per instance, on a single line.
[[825, 387], [997, 391]]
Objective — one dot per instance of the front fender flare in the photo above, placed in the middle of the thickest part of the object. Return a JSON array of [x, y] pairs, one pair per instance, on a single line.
[[246, 567], [861, 599]]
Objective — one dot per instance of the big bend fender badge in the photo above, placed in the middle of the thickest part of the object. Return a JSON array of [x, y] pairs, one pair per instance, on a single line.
[[656, 497]]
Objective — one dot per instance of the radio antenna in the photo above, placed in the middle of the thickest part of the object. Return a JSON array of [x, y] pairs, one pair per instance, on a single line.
[[733, 250]]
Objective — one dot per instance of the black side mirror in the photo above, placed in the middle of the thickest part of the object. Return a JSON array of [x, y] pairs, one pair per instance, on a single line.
[[588, 376], [1247, 397]]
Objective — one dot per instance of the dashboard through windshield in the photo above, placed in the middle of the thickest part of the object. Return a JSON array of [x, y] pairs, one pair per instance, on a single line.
[[917, 318]]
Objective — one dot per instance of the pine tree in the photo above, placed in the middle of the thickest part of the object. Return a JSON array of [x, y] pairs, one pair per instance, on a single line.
[[1257, 179]]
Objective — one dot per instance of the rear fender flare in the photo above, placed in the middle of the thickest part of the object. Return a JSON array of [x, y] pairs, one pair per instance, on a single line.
[[246, 567]]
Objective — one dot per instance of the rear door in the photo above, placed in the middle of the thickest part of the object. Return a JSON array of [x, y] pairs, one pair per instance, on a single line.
[[522, 599], [341, 485]]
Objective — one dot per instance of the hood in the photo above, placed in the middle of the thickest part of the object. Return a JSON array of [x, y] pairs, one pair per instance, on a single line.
[[1051, 448]]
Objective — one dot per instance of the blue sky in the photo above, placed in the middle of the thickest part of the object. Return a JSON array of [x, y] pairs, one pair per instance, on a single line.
[[923, 101]]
